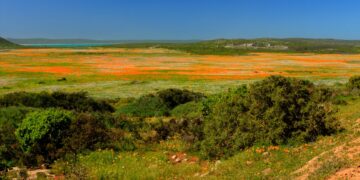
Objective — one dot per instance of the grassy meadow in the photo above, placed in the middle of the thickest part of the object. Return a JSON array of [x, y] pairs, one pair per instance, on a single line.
[[130, 78]]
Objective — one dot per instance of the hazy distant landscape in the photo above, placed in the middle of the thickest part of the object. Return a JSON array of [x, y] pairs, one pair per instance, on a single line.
[[179, 90]]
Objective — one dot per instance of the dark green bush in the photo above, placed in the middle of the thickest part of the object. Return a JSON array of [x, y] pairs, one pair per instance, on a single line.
[[78, 101], [290, 108], [41, 133], [86, 132], [188, 110], [227, 129], [159, 104], [10, 150], [145, 106], [190, 129], [175, 97], [354, 85], [277, 110]]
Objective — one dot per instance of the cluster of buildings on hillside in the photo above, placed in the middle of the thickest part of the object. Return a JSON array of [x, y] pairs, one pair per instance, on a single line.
[[257, 46]]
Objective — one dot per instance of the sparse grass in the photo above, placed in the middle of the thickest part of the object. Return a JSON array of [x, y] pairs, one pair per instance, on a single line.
[[329, 167], [135, 165]]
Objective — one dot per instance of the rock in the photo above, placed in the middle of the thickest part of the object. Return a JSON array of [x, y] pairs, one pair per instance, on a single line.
[[217, 163], [173, 157], [266, 171], [205, 174], [248, 162], [266, 154]]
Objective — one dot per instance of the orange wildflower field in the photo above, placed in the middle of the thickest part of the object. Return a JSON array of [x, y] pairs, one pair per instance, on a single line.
[[164, 64], [132, 72]]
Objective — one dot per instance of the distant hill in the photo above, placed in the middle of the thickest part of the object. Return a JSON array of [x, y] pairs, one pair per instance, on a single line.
[[244, 46], [217, 46], [5, 44], [90, 41]]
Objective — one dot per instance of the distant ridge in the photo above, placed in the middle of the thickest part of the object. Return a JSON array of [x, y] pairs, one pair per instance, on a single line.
[[5, 44], [244, 46], [90, 41]]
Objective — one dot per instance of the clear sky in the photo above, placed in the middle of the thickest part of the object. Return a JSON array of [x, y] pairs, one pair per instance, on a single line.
[[179, 19]]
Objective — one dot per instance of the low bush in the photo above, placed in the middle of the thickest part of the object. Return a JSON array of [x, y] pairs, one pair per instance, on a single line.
[[175, 97], [189, 129], [145, 106], [354, 85], [159, 104], [188, 110], [78, 101], [86, 132], [41, 133], [277, 110], [10, 150], [227, 129]]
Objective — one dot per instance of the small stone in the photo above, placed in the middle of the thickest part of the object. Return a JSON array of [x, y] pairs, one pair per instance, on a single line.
[[266, 171], [217, 163], [205, 174], [173, 157], [266, 154]]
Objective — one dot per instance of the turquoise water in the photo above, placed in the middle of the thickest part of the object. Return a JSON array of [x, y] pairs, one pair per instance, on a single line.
[[66, 45]]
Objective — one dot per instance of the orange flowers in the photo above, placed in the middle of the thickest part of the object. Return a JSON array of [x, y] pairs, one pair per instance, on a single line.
[[166, 64]]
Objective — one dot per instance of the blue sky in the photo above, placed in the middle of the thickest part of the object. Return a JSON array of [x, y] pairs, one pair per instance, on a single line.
[[179, 19]]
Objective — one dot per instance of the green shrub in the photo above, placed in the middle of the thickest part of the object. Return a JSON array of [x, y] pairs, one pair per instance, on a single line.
[[188, 110], [10, 151], [41, 132], [190, 129], [175, 97], [86, 132], [277, 110], [78, 101], [227, 129], [290, 108], [159, 104], [354, 84], [145, 106]]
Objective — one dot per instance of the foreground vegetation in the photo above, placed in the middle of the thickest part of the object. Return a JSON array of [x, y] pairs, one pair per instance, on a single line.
[[268, 129]]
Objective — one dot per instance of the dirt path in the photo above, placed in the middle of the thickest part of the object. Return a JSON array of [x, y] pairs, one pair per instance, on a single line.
[[348, 173], [349, 151]]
